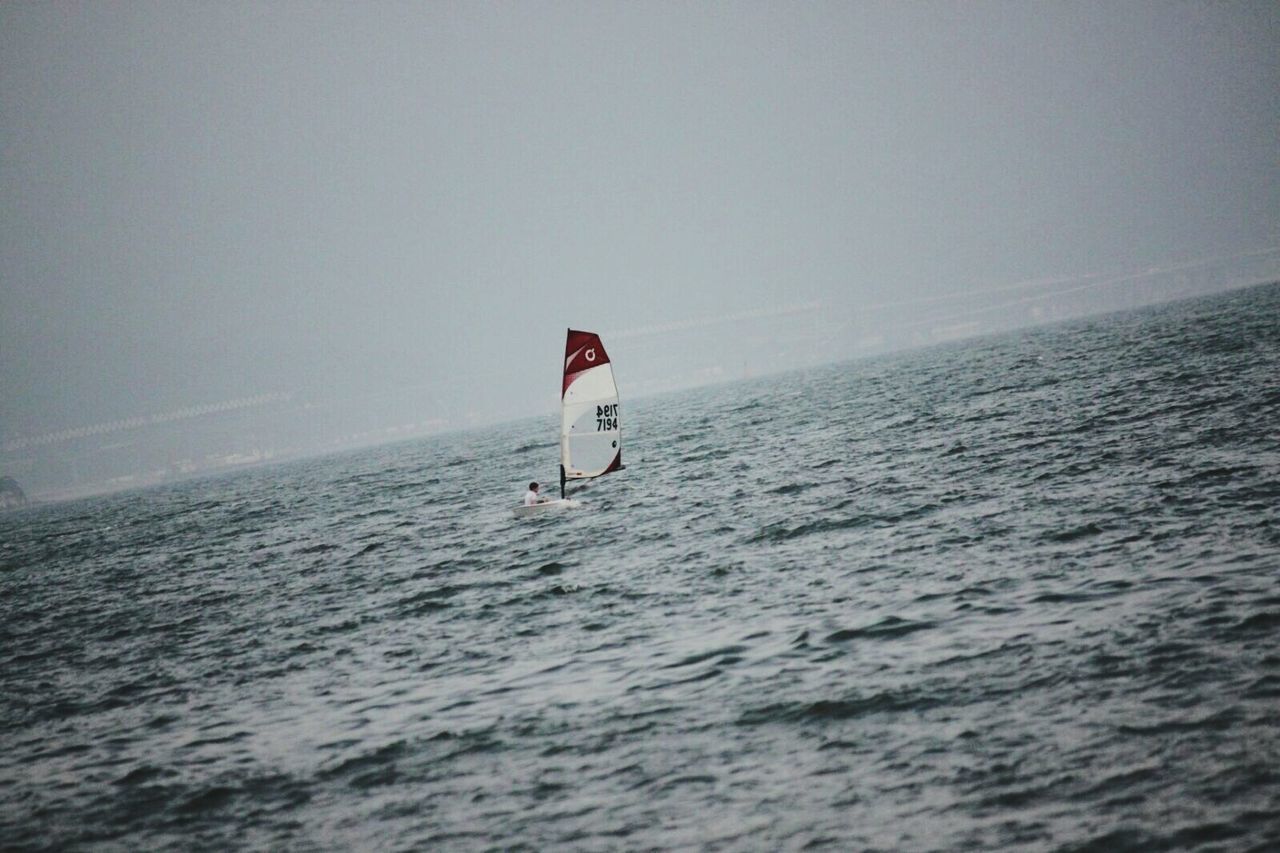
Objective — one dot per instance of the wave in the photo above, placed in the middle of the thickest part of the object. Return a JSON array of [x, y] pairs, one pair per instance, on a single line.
[[887, 628], [835, 710], [779, 532]]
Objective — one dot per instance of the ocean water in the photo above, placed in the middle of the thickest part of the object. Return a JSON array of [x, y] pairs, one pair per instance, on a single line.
[[1018, 592]]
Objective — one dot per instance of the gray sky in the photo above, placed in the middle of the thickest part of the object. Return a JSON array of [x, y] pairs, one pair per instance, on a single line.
[[207, 201]]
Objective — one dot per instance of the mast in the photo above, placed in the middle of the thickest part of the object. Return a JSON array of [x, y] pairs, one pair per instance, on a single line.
[[568, 335]]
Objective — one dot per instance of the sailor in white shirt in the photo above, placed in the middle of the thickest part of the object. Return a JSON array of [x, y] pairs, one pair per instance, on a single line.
[[531, 496]]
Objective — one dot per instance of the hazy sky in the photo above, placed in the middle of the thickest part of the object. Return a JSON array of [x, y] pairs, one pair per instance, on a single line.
[[211, 200]]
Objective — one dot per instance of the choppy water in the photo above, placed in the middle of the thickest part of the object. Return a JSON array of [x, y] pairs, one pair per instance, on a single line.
[[1019, 592]]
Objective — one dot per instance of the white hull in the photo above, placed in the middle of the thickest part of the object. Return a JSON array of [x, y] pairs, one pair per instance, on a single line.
[[544, 508]]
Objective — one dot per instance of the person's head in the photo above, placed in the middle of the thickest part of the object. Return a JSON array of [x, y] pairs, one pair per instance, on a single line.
[[533, 487]]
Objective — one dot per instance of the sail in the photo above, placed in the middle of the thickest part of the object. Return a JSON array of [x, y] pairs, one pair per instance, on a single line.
[[590, 429]]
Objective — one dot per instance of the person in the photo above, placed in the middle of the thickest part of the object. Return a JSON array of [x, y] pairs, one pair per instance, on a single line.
[[531, 496]]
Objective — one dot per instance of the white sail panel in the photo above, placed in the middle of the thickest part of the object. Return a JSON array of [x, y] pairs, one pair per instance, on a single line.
[[590, 427]]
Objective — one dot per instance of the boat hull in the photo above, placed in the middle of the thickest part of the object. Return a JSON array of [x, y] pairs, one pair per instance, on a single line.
[[544, 508]]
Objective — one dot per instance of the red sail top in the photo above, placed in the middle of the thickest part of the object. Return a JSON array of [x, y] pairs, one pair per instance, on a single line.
[[582, 351]]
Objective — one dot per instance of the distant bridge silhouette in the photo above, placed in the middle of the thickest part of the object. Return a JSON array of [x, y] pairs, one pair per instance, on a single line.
[[141, 421], [702, 322]]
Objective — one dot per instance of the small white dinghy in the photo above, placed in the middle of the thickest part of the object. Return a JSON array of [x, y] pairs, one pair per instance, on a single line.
[[590, 428], [544, 508]]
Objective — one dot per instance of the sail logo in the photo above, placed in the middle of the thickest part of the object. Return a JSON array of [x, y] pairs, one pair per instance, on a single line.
[[589, 353]]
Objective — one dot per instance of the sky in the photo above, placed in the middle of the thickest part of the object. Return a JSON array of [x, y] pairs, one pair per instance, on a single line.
[[208, 201]]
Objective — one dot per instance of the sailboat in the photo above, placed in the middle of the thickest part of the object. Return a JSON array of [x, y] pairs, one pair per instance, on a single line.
[[590, 426]]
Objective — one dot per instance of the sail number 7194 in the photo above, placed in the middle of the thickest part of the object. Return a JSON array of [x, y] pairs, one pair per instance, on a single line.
[[606, 417]]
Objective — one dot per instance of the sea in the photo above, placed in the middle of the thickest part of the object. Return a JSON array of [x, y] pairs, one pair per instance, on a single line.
[[1017, 592]]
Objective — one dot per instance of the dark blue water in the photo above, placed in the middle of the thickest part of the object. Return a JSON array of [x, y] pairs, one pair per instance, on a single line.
[[1020, 592]]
